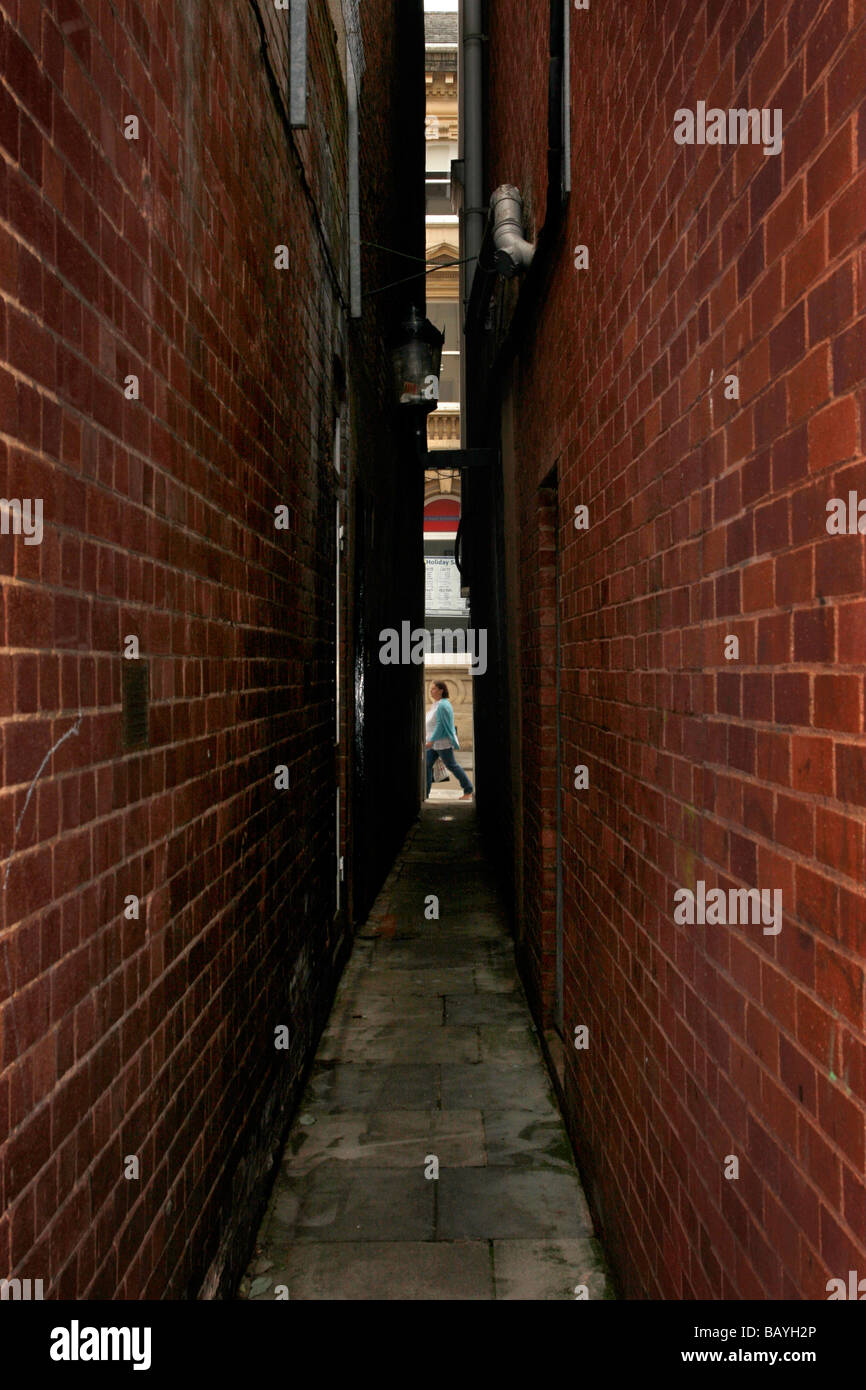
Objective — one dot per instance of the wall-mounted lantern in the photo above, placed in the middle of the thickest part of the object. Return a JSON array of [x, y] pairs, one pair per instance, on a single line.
[[417, 358]]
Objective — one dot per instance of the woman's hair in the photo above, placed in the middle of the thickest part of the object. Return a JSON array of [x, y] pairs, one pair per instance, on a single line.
[[440, 685]]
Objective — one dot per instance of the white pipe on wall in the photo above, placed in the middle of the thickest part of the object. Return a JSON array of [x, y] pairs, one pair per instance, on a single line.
[[513, 252]]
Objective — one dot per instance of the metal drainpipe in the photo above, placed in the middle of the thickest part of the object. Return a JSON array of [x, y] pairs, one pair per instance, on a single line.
[[356, 305], [475, 210]]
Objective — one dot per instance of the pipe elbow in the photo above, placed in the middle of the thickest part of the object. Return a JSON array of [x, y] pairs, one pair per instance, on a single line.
[[513, 253]]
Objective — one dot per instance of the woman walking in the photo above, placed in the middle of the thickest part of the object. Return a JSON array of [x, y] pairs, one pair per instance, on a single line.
[[442, 738]]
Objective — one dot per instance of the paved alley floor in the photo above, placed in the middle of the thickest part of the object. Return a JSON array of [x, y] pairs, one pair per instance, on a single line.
[[429, 1063]]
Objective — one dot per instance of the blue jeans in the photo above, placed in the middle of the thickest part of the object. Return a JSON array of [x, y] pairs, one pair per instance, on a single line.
[[448, 758]]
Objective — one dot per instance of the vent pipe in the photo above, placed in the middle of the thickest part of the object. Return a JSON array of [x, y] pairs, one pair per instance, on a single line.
[[513, 252]]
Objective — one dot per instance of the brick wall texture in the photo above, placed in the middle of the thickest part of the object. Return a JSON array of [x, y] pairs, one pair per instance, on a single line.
[[154, 1036], [707, 520]]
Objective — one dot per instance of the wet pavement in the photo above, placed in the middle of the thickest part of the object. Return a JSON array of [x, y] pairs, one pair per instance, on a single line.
[[428, 1158]]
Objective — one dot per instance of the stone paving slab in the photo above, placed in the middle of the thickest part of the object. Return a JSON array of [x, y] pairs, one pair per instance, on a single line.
[[362, 1013], [409, 1270], [389, 1139], [486, 1009], [429, 1053], [371, 1086], [497, 1086], [337, 1202], [441, 1270], [509, 1042], [457, 979], [525, 1140], [497, 1203], [401, 1042], [457, 927], [458, 895], [529, 1269], [482, 926], [496, 977], [440, 953]]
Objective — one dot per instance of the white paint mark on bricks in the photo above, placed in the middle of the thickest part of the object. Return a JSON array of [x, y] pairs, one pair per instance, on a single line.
[[63, 737]]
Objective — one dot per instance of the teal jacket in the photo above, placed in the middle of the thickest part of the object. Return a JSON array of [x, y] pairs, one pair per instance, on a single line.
[[444, 726]]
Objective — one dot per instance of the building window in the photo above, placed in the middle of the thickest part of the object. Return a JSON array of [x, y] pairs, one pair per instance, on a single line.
[[449, 379], [444, 604], [445, 314], [439, 154], [438, 194]]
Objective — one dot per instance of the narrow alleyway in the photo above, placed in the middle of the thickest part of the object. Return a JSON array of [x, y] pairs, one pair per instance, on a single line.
[[429, 1053]]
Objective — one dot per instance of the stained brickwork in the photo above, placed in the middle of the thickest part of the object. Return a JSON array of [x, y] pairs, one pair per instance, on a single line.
[[707, 520]]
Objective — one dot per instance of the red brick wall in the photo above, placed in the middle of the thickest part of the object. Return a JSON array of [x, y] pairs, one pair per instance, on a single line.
[[155, 1037], [538, 666], [517, 124], [707, 519]]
